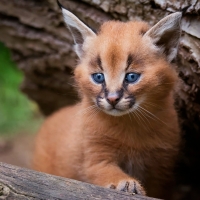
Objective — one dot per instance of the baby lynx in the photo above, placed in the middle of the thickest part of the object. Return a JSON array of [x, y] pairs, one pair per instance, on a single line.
[[124, 133]]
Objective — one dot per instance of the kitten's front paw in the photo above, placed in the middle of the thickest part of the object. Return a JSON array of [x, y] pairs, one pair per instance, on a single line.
[[131, 186]]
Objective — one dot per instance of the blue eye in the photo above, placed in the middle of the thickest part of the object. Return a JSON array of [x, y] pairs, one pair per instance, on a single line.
[[98, 78], [132, 77]]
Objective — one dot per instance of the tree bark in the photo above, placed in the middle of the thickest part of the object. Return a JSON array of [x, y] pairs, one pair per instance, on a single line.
[[42, 47]]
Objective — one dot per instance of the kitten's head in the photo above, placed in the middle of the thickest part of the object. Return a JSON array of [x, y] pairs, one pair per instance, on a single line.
[[125, 65]]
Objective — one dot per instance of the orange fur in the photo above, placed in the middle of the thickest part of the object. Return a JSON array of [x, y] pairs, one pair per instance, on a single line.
[[84, 143]]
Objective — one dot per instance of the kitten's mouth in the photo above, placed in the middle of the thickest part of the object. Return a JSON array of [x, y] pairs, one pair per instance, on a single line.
[[121, 108]]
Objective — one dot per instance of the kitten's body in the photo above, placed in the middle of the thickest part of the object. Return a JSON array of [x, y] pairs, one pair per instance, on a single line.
[[70, 145], [84, 143]]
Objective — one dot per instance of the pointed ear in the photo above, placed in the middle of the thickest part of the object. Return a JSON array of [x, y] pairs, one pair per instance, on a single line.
[[166, 33], [78, 29]]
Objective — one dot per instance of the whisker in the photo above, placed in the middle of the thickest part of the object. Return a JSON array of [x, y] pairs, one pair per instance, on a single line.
[[147, 114], [73, 85], [149, 128], [134, 113], [95, 111], [151, 114], [86, 110], [140, 117], [129, 115], [152, 104]]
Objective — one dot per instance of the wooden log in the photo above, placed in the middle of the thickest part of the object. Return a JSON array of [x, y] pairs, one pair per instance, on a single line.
[[22, 184]]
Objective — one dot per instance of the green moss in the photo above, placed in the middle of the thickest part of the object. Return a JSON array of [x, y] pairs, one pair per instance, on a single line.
[[16, 111]]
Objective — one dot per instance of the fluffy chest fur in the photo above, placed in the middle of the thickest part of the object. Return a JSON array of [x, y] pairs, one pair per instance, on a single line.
[[133, 163], [134, 145]]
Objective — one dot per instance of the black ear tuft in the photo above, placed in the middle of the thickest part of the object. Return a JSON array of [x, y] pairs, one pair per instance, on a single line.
[[60, 5], [184, 9]]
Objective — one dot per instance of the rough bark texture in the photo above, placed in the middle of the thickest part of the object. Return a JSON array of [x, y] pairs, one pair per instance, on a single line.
[[23, 184], [42, 47]]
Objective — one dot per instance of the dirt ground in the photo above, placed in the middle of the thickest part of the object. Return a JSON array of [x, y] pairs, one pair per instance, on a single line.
[[17, 150]]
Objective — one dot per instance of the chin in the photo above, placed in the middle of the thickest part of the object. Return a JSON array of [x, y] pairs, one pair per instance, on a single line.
[[116, 112]]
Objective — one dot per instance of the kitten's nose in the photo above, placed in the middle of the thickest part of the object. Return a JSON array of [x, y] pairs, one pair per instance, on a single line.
[[113, 98]]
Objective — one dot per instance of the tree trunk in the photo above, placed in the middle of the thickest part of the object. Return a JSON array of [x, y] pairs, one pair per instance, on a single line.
[[42, 47]]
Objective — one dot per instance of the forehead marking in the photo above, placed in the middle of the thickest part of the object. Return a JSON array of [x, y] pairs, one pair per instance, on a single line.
[[96, 62], [99, 63], [129, 61], [134, 59]]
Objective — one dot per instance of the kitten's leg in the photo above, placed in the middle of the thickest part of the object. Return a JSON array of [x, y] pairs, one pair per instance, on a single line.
[[111, 176]]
